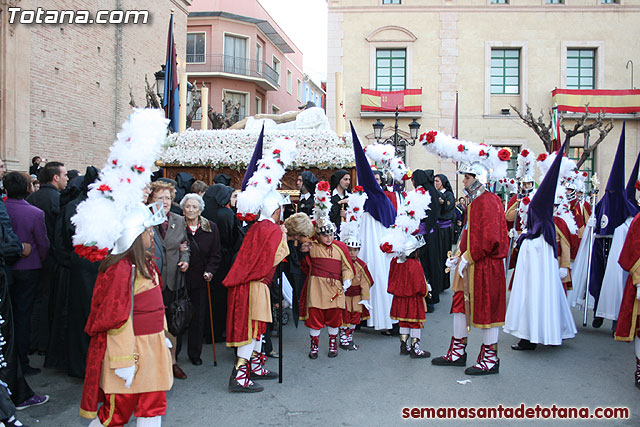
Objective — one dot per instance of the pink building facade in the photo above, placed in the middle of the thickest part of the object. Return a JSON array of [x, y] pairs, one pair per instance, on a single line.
[[240, 53]]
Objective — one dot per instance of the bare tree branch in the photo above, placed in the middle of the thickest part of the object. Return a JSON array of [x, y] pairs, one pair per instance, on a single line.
[[132, 102], [538, 125], [150, 94]]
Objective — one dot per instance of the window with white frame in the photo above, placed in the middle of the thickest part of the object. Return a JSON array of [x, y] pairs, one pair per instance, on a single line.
[[238, 101], [235, 54], [275, 110], [299, 91], [391, 69], [195, 47], [609, 1], [581, 68], [499, 1], [289, 81], [554, 1], [505, 71], [258, 105], [259, 59], [276, 67], [391, 1]]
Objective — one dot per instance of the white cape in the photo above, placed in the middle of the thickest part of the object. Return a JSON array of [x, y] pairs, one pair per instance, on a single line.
[[579, 271], [538, 309], [614, 276], [378, 262]]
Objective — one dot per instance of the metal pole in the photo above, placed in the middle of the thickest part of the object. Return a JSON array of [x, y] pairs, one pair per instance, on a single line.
[[586, 288], [279, 280]]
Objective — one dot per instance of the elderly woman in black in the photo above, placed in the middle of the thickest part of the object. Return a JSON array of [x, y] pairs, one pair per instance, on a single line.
[[204, 243]]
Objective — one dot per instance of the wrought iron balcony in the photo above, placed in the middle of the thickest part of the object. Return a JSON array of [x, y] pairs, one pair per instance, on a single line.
[[235, 66]]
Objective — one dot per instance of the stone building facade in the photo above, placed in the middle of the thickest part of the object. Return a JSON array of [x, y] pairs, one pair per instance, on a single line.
[[453, 46], [66, 87]]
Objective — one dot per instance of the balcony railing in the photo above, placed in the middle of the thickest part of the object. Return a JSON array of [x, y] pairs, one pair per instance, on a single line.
[[218, 63]]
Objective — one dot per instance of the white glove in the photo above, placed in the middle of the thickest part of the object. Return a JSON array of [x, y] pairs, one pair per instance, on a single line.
[[126, 374], [637, 292], [563, 272], [366, 304], [452, 262], [429, 287], [462, 266], [592, 221], [346, 285], [167, 341], [513, 234]]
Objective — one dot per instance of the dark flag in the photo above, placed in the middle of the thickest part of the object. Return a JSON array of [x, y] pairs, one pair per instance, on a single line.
[[170, 102], [633, 182], [253, 163]]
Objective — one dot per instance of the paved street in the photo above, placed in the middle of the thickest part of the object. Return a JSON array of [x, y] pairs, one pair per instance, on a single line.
[[372, 385]]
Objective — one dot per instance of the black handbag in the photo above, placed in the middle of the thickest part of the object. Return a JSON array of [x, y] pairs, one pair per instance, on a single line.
[[179, 311]]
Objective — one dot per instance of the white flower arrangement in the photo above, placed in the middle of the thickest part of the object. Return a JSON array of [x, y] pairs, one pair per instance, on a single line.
[[233, 148], [355, 209]]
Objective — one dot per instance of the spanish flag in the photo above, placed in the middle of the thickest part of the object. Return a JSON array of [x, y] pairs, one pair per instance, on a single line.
[[377, 100], [599, 100]]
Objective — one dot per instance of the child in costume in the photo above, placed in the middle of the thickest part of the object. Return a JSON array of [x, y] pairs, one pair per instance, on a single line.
[[129, 363], [329, 272], [407, 282]]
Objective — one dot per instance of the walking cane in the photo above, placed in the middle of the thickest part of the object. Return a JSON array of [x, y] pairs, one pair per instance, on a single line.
[[279, 281], [213, 337]]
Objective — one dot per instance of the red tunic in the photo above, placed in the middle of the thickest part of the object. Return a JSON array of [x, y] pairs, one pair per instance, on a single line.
[[393, 198], [628, 323], [484, 244], [408, 286], [110, 309], [254, 263]]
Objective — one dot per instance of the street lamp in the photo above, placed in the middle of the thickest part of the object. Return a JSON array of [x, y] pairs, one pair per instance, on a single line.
[[159, 75], [396, 140]]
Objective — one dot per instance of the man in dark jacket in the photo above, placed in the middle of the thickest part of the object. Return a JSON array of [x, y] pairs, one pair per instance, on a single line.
[[340, 185], [307, 182], [53, 179]]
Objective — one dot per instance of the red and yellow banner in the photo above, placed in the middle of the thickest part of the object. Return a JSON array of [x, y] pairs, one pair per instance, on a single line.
[[607, 101], [377, 100]]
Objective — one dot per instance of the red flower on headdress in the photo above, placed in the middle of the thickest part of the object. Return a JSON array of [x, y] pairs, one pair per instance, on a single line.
[[404, 194], [431, 136], [322, 199], [512, 181], [358, 189], [269, 180], [483, 144], [526, 200], [524, 153], [405, 177], [138, 169], [461, 148], [276, 151], [585, 174], [114, 162], [386, 247], [421, 190], [356, 209], [411, 213], [504, 155], [482, 153], [542, 157], [104, 188], [637, 185], [352, 218], [323, 186]]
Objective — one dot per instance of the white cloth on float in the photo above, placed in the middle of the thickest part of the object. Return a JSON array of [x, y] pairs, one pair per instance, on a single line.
[[378, 262], [615, 277], [579, 269], [538, 310]]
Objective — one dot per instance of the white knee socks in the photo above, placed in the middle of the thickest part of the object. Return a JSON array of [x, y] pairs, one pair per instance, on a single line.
[[490, 336], [460, 326], [404, 331], [246, 350], [149, 421], [258, 346], [415, 333], [332, 331], [96, 423], [314, 332]]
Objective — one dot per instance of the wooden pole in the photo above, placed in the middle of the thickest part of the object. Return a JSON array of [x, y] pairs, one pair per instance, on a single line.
[[340, 110], [182, 95], [213, 335]]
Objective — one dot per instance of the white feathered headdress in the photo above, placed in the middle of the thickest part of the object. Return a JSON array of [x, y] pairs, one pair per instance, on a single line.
[[350, 229], [443, 145], [526, 170], [99, 219], [385, 155], [266, 178], [413, 210]]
